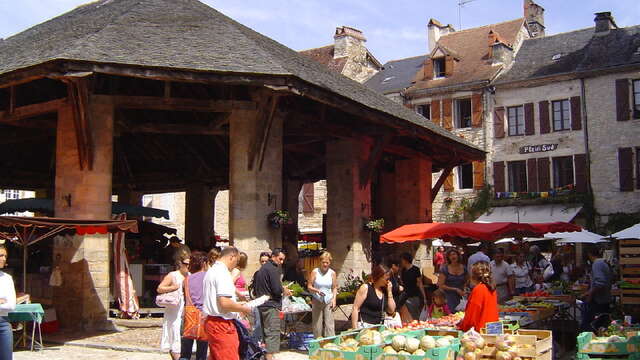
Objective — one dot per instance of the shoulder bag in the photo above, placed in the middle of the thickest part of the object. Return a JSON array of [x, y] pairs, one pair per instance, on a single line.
[[193, 325], [168, 299]]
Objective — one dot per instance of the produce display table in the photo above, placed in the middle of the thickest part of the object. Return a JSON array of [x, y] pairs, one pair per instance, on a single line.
[[28, 313], [292, 320]]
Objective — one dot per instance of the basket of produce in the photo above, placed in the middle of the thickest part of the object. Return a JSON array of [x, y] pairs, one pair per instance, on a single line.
[[362, 345], [589, 343], [416, 345]]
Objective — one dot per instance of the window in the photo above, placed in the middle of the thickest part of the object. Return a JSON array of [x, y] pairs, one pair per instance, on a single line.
[[438, 67], [517, 176], [516, 120], [424, 110], [465, 176], [561, 117], [562, 171], [636, 99], [12, 194], [463, 113]]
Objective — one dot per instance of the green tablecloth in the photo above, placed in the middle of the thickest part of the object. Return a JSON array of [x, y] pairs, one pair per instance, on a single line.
[[27, 312]]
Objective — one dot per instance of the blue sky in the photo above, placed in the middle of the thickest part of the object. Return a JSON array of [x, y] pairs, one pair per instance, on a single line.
[[394, 29]]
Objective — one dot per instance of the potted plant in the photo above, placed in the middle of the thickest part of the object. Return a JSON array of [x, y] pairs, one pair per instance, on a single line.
[[278, 218], [374, 225]]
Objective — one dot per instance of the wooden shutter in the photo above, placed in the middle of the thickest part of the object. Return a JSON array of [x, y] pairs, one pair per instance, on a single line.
[[580, 166], [476, 106], [625, 165], [448, 183], [498, 123], [448, 66], [544, 179], [528, 119], [307, 199], [532, 174], [447, 110], [478, 175], [498, 176], [543, 109], [428, 69], [576, 113], [435, 112], [623, 108]]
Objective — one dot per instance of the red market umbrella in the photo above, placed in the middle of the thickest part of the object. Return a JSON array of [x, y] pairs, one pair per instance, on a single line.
[[473, 231]]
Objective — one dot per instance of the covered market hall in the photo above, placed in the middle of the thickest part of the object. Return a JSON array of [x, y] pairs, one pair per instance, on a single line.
[[134, 97]]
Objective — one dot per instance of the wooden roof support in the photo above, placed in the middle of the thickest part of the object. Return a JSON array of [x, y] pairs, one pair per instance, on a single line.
[[178, 129], [27, 111], [79, 98], [443, 177], [265, 121], [175, 104], [368, 168]]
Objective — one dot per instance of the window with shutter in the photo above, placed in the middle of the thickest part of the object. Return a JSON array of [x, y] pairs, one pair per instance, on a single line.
[[448, 67], [498, 176], [498, 123], [532, 174], [625, 166], [308, 199], [528, 119], [439, 70], [435, 112], [424, 110], [517, 171], [561, 115], [428, 69], [463, 113], [576, 113], [636, 99], [476, 103], [543, 110], [544, 179], [515, 120], [562, 171], [465, 176], [478, 175], [447, 121], [622, 100]]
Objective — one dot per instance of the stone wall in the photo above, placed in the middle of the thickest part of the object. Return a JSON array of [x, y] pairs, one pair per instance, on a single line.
[[313, 221]]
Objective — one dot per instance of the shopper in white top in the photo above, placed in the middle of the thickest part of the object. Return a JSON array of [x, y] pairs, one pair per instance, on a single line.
[[221, 307], [502, 276], [522, 274], [7, 304], [323, 285]]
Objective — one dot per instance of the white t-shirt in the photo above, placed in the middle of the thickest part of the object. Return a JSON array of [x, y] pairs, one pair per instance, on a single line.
[[501, 272], [218, 283], [8, 293], [521, 273]]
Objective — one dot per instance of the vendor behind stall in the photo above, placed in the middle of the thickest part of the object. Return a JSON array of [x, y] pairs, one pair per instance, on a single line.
[[482, 306], [598, 297]]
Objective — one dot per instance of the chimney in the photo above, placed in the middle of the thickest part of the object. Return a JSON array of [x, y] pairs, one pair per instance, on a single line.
[[604, 22], [348, 41], [534, 17], [435, 30], [501, 53]]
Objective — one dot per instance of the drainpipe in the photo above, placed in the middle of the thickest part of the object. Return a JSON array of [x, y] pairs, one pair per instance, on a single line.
[[585, 130]]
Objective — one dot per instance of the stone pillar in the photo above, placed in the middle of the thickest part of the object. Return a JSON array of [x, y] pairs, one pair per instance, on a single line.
[[199, 214], [291, 203], [83, 299], [413, 204], [255, 193], [348, 206]]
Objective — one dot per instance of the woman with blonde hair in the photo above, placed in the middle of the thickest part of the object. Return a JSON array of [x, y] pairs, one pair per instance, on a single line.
[[482, 306], [172, 321], [323, 286]]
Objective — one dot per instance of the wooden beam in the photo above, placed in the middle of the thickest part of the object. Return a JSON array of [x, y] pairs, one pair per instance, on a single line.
[[167, 89], [261, 140], [174, 104], [443, 177], [404, 151], [178, 129], [12, 99], [27, 111], [367, 170]]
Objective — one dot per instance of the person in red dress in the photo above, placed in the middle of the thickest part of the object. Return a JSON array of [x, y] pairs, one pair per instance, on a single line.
[[438, 259], [482, 306]]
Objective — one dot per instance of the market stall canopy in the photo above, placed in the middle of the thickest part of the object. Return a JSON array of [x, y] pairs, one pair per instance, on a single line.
[[628, 233], [46, 206], [473, 231], [578, 237], [531, 213]]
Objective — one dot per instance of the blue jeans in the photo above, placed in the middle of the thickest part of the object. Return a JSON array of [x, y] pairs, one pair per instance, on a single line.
[[6, 340]]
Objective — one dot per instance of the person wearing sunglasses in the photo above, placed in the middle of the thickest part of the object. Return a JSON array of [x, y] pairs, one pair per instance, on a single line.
[[172, 321]]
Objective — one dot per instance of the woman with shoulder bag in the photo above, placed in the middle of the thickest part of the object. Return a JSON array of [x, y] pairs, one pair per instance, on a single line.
[[373, 300], [193, 323], [170, 296]]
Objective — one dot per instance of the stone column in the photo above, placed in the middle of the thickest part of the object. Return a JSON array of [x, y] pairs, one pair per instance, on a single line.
[[255, 193], [290, 232], [199, 214], [413, 204], [348, 206], [83, 299]]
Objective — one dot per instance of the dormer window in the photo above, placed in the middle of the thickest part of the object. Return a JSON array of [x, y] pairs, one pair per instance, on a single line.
[[439, 68]]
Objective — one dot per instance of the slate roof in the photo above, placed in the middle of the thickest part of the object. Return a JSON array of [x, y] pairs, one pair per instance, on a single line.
[[579, 51], [471, 48], [183, 34], [324, 55], [396, 75]]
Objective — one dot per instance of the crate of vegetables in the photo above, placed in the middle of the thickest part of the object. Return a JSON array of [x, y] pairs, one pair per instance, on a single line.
[[536, 344], [590, 344], [418, 346], [363, 345]]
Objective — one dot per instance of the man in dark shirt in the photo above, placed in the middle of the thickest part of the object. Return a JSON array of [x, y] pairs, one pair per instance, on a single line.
[[267, 282], [413, 298]]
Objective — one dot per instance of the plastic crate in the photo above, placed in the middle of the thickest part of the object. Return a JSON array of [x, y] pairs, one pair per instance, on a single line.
[[586, 346], [441, 353], [316, 351]]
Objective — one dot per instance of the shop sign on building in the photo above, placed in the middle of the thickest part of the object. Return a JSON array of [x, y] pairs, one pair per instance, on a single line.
[[537, 148]]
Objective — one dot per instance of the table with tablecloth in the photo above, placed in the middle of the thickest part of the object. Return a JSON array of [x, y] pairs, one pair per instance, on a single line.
[[29, 313]]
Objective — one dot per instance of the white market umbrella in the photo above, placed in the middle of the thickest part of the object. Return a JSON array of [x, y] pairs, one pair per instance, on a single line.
[[439, 242], [628, 233], [579, 237]]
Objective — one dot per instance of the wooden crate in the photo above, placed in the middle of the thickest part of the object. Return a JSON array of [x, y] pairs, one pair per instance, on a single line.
[[540, 344]]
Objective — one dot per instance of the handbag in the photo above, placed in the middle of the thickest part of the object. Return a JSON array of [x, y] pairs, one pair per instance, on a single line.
[[193, 323], [168, 299]]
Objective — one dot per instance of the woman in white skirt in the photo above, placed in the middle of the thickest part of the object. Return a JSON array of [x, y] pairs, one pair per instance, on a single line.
[[172, 322]]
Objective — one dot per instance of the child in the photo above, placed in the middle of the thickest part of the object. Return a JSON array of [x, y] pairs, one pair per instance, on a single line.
[[439, 307]]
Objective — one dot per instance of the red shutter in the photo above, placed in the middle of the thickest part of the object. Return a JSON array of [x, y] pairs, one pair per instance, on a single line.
[[448, 66], [476, 115], [625, 165], [532, 174], [498, 176], [307, 199], [528, 119], [580, 165], [447, 104], [544, 180], [448, 183], [478, 175], [576, 113], [435, 112], [498, 123], [622, 100], [543, 109]]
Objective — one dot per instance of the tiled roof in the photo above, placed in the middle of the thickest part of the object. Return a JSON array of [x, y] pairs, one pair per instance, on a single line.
[[324, 55], [574, 51], [471, 48], [396, 75]]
